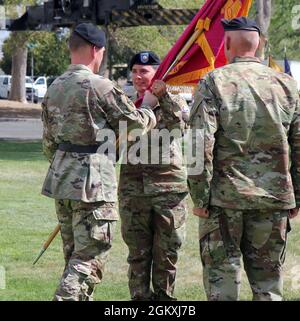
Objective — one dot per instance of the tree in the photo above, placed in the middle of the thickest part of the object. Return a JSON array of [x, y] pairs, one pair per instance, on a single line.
[[19, 52], [19, 63], [263, 19], [50, 52], [263, 15], [281, 32]]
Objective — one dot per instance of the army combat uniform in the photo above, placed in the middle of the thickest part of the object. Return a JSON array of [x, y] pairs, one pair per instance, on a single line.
[[249, 116], [153, 209], [78, 106]]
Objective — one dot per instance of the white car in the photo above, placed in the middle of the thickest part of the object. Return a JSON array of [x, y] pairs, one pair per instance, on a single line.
[[38, 88]]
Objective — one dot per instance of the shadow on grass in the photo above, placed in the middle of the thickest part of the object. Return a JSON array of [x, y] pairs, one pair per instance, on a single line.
[[21, 150]]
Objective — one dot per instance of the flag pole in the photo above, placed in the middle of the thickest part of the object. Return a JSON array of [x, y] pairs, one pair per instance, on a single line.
[[285, 51], [269, 54], [48, 242]]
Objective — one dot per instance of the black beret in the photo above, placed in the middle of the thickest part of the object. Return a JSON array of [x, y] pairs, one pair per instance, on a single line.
[[91, 33], [144, 58], [241, 23]]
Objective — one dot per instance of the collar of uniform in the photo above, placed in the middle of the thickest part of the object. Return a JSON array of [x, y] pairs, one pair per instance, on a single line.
[[78, 67], [246, 59]]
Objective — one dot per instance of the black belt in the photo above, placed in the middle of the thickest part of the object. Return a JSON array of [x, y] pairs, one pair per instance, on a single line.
[[73, 148]]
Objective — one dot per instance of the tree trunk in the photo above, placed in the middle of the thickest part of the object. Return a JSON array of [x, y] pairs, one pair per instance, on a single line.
[[263, 19], [106, 59], [19, 66], [19, 41]]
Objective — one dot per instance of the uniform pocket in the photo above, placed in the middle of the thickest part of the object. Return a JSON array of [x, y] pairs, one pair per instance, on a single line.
[[284, 226], [259, 232], [102, 230], [180, 211]]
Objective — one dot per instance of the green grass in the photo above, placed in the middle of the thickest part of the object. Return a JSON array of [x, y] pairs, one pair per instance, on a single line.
[[27, 218]]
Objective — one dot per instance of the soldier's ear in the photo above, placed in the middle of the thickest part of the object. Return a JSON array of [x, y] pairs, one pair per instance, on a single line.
[[93, 50]]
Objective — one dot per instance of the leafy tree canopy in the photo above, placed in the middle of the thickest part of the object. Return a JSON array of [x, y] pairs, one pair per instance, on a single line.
[[50, 53]]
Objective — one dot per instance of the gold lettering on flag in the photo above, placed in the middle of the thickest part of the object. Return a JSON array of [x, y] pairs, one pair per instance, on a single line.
[[203, 24], [231, 9]]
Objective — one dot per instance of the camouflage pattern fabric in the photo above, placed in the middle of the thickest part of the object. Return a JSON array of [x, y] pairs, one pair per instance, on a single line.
[[249, 114], [259, 236], [153, 229], [76, 109], [77, 106], [153, 210], [163, 177], [87, 231], [249, 117]]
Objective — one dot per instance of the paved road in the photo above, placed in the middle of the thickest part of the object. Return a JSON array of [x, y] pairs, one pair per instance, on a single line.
[[17, 128]]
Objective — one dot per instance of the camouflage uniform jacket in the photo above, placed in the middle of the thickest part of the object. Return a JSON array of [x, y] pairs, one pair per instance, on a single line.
[[250, 117], [77, 106], [162, 176]]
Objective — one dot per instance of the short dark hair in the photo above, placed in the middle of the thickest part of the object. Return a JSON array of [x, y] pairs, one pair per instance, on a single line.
[[76, 42]]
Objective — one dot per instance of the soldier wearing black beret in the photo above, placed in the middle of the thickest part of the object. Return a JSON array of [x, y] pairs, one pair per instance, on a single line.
[[153, 196], [81, 178], [91, 34], [249, 187], [146, 58], [241, 23]]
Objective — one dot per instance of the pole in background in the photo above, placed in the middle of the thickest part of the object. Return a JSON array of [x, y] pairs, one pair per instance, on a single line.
[[32, 75]]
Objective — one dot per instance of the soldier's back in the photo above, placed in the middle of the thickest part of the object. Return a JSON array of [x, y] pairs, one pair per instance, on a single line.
[[71, 105], [256, 106]]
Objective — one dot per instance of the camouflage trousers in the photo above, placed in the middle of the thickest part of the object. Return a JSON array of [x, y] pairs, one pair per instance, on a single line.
[[87, 234], [257, 236], [153, 229]]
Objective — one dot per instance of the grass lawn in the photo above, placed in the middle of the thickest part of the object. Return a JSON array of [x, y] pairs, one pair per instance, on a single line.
[[27, 218]]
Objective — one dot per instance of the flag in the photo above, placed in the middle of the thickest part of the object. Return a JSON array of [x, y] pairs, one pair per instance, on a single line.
[[287, 68], [274, 65], [200, 48]]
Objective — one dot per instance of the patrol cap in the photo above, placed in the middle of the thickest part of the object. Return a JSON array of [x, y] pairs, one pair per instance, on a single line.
[[241, 23], [91, 33], [148, 58]]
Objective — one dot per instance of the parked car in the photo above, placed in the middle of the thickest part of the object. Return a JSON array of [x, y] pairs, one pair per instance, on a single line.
[[41, 85], [40, 88], [37, 88], [5, 86]]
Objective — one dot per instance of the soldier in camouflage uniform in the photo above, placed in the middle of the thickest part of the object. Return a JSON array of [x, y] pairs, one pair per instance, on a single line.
[[249, 118], [152, 197], [78, 106]]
